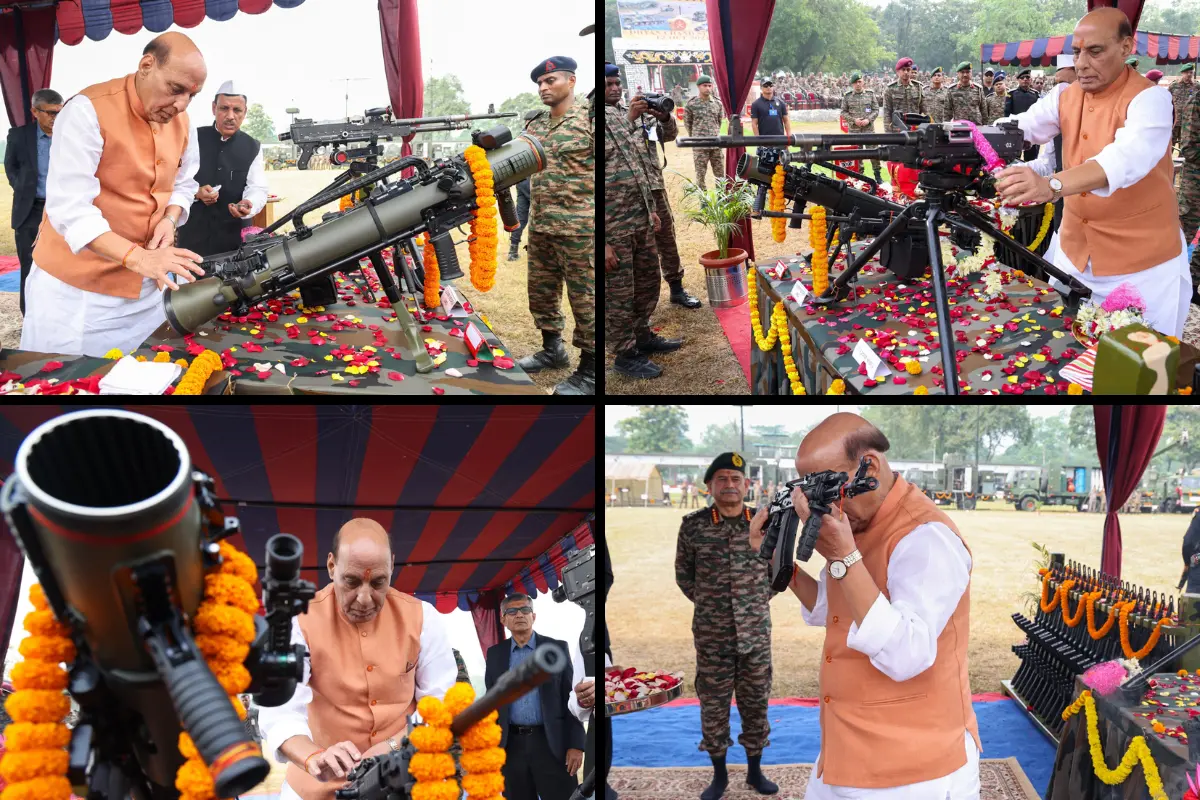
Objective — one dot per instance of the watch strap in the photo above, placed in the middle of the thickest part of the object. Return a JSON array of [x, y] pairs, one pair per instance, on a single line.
[[852, 559]]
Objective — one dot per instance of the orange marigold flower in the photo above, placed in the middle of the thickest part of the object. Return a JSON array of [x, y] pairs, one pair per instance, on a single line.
[[235, 561], [481, 736], [1158, 726], [187, 747], [433, 711], [47, 648], [439, 790], [230, 590], [44, 623], [36, 705], [193, 779], [22, 736], [33, 674], [487, 783], [921, 390], [459, 697], [222, 648], [224, 621], [38, 597], [30, 764], [234, 678], [487, 760], [431, 740], [51, 788], [913, 367], [239, 708], [429, 767]]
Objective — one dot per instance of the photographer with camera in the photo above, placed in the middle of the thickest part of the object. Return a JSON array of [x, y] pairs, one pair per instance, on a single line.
[[1120, 216], [726, 580], [896, 715]]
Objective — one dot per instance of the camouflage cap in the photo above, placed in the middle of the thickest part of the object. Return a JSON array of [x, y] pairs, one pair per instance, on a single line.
[[704, 79], [962, 65], [725, 461]]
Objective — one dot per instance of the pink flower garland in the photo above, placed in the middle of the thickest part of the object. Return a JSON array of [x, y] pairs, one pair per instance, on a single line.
[[991, 160]]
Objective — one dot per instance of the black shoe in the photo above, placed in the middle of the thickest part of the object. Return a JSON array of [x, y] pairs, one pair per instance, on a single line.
[[553, 355], [514, 251], [634, 364], [657, 344], [720, 781], [755, 779], [1195, 296], [583, 380], [680, 297]]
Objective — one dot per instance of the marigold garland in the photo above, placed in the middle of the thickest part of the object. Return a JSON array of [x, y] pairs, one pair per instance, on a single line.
[[837, 387], [1101, 632], [785, 344], [764, 343], [1047, 218], [820, 256], [1048, 605], [197, 375], [1153, 640], [433, 286], [35, 763], [434, 768], [483, 225], [1072, 620], [776, 203], [482, 757], [1138, 751]]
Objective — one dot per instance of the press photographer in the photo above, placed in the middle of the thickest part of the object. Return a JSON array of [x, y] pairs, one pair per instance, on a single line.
[[895, 601], [720, 571]]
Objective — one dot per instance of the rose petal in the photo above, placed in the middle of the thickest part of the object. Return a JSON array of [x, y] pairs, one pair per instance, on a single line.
[[438, 390]]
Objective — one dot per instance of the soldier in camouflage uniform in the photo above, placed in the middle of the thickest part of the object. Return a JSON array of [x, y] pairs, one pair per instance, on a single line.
[[1181, 91], [727, 581], [935, 96], [1188, 193], [993, 104], [702, 117], [965, 99], [902, 96], [860, 105], [631, 276], [561, 227], [677, 94]]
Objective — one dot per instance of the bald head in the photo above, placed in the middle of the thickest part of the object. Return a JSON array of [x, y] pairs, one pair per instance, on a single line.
[[170, 73], [838, 444], [358, 530], [1108, 20], [171, 43], [1102, 40], [360, 567]]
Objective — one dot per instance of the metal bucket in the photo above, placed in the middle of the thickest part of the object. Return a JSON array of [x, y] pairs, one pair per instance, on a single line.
[[726, 285]]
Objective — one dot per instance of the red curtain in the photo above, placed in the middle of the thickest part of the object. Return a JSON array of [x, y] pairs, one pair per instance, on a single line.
[[1125, 440], [737, 42], [36, 29], [11, 565], [400, 30], [486, 614]]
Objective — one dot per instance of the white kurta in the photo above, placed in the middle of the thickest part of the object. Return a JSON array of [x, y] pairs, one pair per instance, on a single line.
[[437, 671], [927, 575], [1135, 150], [61, 318]]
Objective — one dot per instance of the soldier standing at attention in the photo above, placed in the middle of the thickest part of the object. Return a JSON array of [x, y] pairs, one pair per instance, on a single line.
[[1181, 91], [702, 117], [860, 107], [993, 104], [902, 96], [631, 278], [965, 99], [1188, 192], [989, 78], [727, 581], [561, 227], [1020, 101], [677, 94], [935, 96]]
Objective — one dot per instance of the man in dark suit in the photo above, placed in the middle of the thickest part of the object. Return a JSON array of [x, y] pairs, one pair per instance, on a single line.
[[26, 163], [544, 740]]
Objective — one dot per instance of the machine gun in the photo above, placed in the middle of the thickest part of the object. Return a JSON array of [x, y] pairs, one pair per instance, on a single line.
[[376, 124], [387, 777], [822, 490], [437, 199], [119, 531], [950, 167]]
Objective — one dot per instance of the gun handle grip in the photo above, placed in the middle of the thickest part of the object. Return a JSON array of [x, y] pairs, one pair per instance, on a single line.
[[447, 258], [508, 211]]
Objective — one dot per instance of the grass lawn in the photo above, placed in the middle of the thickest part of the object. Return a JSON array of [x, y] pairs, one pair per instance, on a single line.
[[649, 619]]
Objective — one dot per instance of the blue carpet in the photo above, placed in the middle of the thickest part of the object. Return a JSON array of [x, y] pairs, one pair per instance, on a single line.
[[10, 281], [667, 737]]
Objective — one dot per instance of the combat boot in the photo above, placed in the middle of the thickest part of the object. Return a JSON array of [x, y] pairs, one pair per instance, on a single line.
[[657, 344], [514, 250], [583, 381], [754, 777], [634, 364], [680, 297], [720, 782], [553, 354]]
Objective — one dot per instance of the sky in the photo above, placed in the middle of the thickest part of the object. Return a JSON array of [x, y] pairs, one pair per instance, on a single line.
[[301, 56], [795, 418]]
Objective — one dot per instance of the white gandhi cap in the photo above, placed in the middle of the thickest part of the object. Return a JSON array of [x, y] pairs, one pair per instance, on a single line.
[[228, 88], [1065, 61]]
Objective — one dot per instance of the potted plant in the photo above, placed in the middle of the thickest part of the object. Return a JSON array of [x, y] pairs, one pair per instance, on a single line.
[[721, 209]]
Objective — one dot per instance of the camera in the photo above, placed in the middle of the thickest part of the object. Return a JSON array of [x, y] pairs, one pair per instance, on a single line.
[[659, 102], [822, 490]]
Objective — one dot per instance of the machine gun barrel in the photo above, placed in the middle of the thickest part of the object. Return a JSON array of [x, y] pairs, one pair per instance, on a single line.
[[451, 118], [546, 662], [808, 140]]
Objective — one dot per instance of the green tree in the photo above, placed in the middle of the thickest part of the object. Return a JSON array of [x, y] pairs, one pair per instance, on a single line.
[[522, 103], [1177, 449], [1082, 429], [443, 97], [1002, 21], [930, 432], [614, 444], [259, 125], [612, 28], [720, 438], [822, 36], [657, 429]]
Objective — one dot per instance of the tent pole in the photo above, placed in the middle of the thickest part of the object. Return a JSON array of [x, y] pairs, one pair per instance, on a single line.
[[19, 29]]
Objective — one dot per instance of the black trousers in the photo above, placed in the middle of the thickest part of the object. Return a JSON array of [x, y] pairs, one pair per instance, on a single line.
[[522, 217], [589, 758], [26, 235], [531, 770]]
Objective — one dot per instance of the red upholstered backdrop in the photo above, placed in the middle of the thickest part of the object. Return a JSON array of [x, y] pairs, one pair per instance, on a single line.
[[1125, 440], [737, 42], [11, 564], [36, 29], [401, 34]]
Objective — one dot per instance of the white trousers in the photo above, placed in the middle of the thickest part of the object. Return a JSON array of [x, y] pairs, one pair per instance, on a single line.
[[962, 784], [60, 318]]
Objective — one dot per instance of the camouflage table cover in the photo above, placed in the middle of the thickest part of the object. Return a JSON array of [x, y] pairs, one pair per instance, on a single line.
[[307, 361], [1074, 778], [1023, 334]]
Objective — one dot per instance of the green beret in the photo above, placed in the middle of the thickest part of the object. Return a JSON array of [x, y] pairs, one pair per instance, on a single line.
[[1187, 68], [1025, 71], [704, 79], [1132, 61], [726, 461], [936, 71], [962, 65], [855, 76]]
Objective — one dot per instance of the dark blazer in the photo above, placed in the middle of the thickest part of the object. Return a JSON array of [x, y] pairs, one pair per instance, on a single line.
[[563, 731], [21, 167]]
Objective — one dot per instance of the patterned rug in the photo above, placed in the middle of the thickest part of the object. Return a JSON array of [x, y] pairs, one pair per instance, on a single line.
[[999, 779]]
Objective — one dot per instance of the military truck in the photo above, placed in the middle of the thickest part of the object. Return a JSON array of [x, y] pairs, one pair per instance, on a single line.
[[956, 483], [1174, 493], [1053, 485]]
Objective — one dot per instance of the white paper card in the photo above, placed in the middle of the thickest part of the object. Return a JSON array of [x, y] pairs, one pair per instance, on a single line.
[[799, 292], [452, 302], [865, 354]]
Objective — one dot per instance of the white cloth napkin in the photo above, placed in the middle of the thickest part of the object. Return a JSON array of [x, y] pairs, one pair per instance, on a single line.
[[130, 376]]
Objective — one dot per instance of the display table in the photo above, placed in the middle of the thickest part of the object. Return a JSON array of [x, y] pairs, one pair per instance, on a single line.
[[1074, 777], [313, 358], [1024, 333]]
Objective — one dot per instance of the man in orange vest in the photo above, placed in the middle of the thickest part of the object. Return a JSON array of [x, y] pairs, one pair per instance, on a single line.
[[1120, 217], [373, 652], [896, 715], [124, 161]]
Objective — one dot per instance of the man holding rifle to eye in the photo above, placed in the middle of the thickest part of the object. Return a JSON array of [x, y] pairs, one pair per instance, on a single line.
[[896, 715]]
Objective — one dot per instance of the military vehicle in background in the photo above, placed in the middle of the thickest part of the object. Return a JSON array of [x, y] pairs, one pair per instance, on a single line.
[[1170, 493], [956, 482], [1053, 485]]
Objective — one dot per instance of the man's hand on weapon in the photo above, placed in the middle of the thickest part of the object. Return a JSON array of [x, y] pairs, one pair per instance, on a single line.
[[836, 540], [158, 263], [574, 761], [585, 691], [241, 210], [207, 195], [335, 762], [756, 527], [1022, 185], [637, 107]]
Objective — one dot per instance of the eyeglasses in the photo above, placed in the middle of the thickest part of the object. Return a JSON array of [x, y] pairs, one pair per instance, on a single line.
[[508, 612]]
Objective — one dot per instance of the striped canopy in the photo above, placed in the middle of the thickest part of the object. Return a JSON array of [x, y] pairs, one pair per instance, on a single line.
[[476, 499], [96, 19], [1163, 48]]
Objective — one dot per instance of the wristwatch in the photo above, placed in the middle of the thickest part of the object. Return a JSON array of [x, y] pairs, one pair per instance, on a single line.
[[392, 744], [1056, 187], [837, 569]]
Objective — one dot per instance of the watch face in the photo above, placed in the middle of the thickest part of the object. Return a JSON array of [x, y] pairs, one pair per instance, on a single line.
[[837, 569]]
